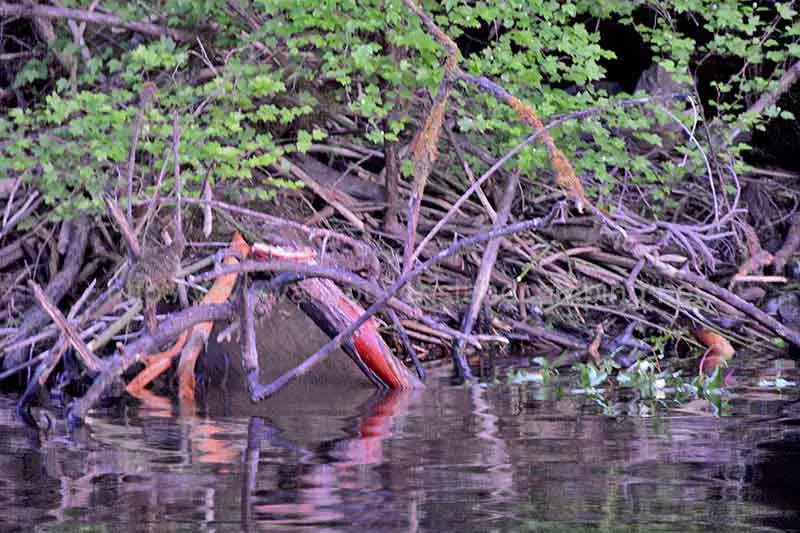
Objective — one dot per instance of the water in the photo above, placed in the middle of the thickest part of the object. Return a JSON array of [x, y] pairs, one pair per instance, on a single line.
[[443, 459]]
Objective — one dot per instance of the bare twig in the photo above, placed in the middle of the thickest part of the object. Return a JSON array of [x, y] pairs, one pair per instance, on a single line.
[[147, 343], [511, 153], [44, 28], [35, 317], [790, 246], [301, 271], [22, 366], [786, 82], [180, 239], [106, 336], [146, 95], [321, 191], [134, 248], [392, 171], [406, 342], [247, 335], [154, 201], [487, 206], [309, 270], [31, 204], [726, 296]]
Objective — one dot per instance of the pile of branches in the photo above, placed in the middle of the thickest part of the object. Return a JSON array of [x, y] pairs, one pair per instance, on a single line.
[[615, 278]]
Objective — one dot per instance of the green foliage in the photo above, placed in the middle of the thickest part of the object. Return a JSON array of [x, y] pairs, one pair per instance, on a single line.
[[643, 388], [544, 376], [310, 62], [650, 389], [75, 145]]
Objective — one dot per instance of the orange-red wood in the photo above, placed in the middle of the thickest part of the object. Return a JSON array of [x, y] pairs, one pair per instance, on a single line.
[[373, 350], [370, 346], [719, 349], [157, 364], [219, 292]]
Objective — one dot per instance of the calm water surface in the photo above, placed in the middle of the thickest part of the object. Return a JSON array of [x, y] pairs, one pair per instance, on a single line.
[[444, 459]]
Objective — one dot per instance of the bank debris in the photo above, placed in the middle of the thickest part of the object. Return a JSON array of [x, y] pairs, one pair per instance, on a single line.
[[467, 276]]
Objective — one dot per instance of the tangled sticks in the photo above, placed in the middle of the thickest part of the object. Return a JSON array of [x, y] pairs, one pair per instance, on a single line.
[[661, 265]]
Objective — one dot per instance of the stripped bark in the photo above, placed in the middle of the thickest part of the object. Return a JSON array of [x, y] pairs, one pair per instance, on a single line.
[[219, 292], [337, 341], [137, 351]]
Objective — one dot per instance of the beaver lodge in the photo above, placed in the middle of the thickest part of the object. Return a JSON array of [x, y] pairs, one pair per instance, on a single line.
[[304, 195]]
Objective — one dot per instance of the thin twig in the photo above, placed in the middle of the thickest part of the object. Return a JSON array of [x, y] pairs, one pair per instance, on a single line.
[[146, 95], [406, 342], [323, 192], [30, 205], [134, 248], [35, 317], [106, 336], [180, 239]]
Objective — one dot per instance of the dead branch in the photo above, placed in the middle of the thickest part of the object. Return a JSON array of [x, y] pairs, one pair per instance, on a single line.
[[35, 317], [92, 17], [408, 348], [247, 335], [790, 246], [484, 275], [338, 275], [86, 356], [146, 95], [786, 82], [300, 271], [332, 197], [726, 296], [180, 239], [115, 213], [167, 331], [31, 204], [117, 326]]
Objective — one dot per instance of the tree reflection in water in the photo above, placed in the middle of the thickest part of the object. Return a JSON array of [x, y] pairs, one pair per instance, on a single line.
[[441, 459]]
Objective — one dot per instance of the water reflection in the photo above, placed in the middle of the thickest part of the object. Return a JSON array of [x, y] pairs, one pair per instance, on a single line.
[[443, 459]]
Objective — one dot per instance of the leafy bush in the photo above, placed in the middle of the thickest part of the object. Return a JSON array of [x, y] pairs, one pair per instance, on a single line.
[[310, 65]]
